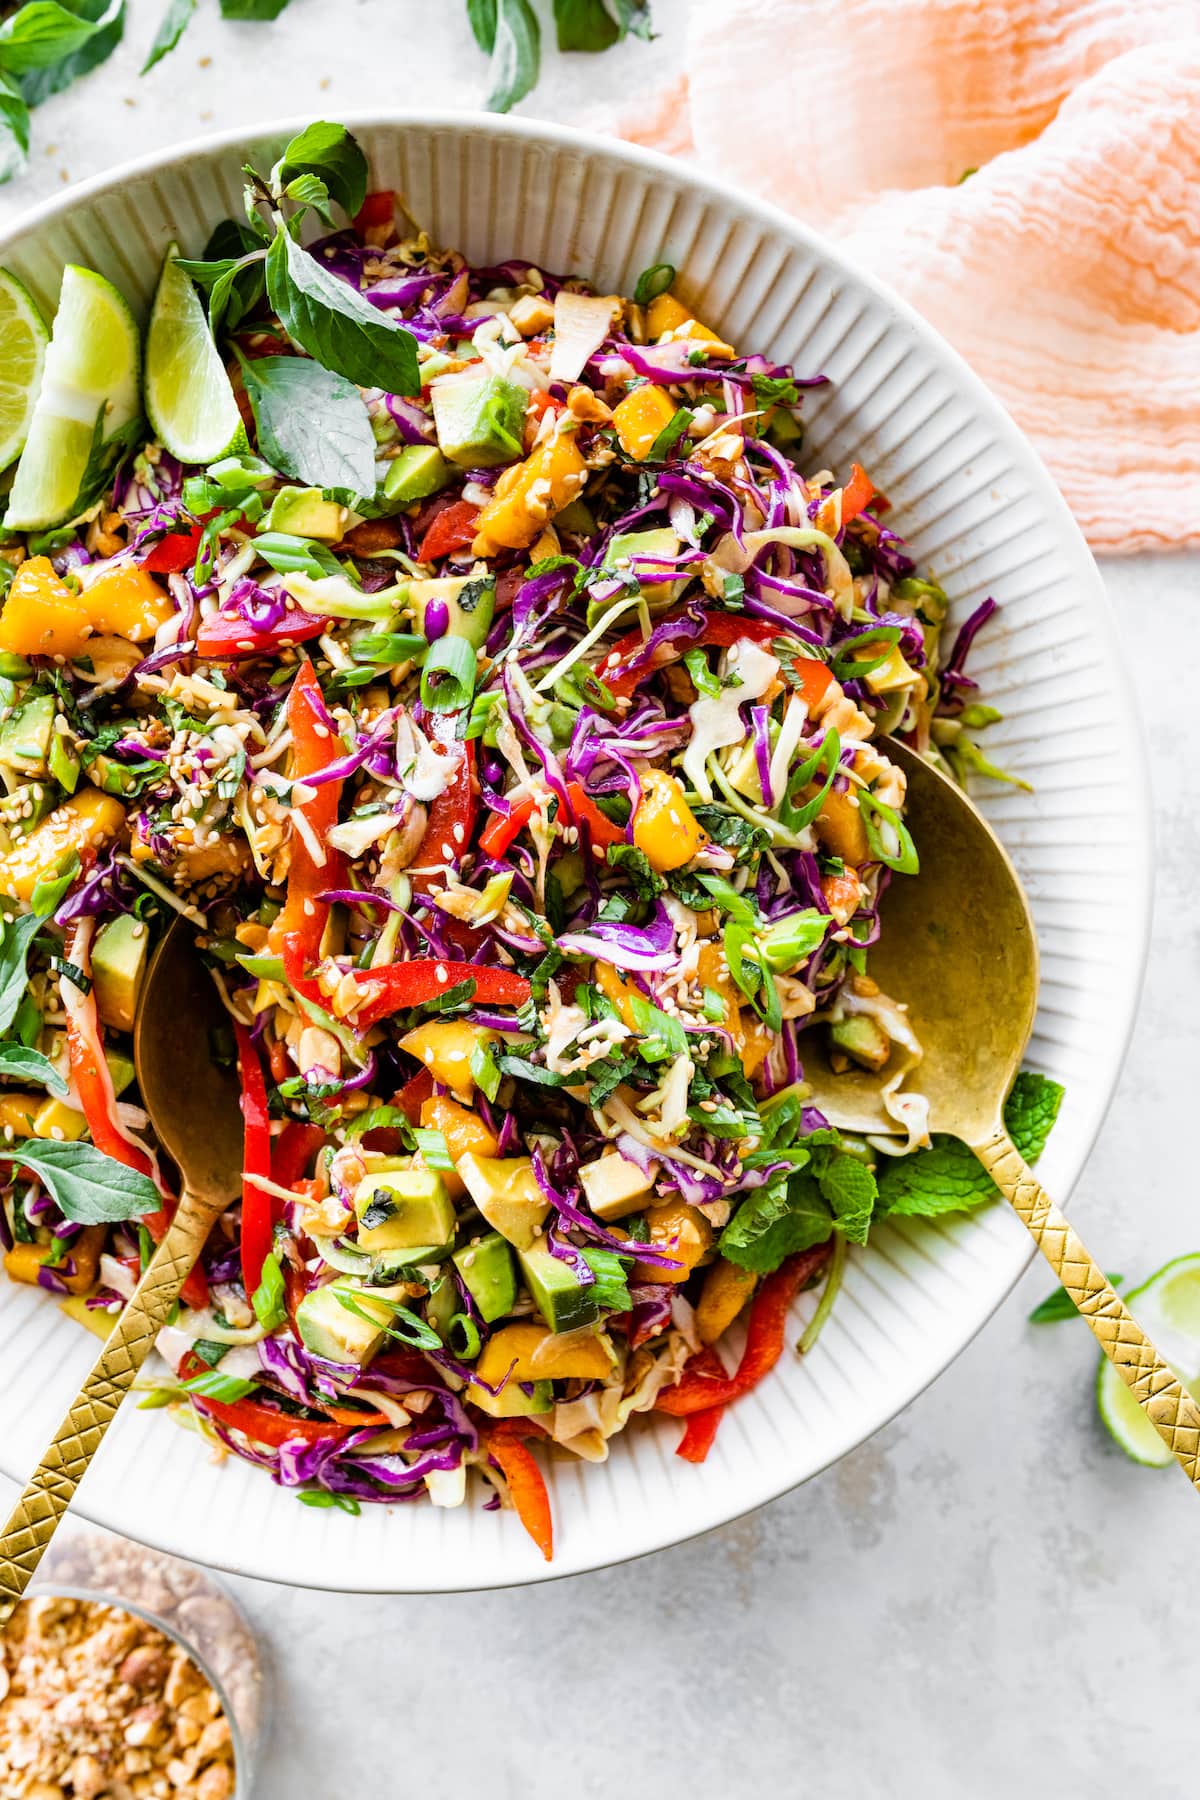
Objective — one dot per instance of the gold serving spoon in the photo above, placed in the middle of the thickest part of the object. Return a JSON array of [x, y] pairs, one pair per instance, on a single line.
[[193, 1107], [958, 948]]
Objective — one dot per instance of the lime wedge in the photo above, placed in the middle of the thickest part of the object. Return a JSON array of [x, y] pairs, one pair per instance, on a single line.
[[23, 339], [1168, 1306], [189, 399], [91, 373]]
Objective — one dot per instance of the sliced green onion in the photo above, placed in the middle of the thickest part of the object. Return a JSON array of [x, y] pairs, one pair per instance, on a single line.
[[448, 678], [827, 759], [290, 555], [847, 667], [904, 858], [652, 282], [462, 1335], [387, 647], [435, 1152]]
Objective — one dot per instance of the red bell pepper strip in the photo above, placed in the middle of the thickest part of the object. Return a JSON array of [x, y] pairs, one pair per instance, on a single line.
[[698, 1434], [502, 828], [413, 1095], [453, 529], [93, 1086], [526, 1485], [585, 812], [857, 493], [451, 818], [413, 983], [720, 629], [267, 1426], [174, 552], [293, 1150], [377, 209], [256, 1160], [226, 636], [701, 1388], [297, 932]]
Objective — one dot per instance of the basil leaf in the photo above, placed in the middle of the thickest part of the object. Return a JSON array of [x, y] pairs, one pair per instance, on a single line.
[[175, 22], [88, 1187], [20, 1064], [97, 25], [333, 155], [335, 325], [312, 424], [252, 9], [14, 131], [14, 952], [633, 16], [585, 25], [516, 54], [44, 33], [482, 17]]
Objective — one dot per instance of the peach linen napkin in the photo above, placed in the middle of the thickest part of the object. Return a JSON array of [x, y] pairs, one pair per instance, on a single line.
[[1065, 266]]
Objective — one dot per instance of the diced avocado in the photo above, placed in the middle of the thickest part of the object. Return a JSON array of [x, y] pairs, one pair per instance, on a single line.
[[332, 1330], [742, 772], [576, 516], [658, 545], [784, 429], [480, 419], [506, 1191], [120, 1068], [861, 1038], [26, 807], [26, 736], [558, 1293], [418, 471], [614, 1186], [402, 1208], [513, 1401], [55, 1119], [443, 1303], [470, 601], [305, 512], [119, 958], [487, 1269], [433, 363]]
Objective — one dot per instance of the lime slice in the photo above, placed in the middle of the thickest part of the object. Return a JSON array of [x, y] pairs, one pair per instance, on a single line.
[[1168, 1306], [189, 399], [23, 339], [91, 373]]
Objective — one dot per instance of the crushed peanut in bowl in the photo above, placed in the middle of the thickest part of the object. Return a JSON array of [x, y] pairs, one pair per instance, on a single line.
[[99, 1704]]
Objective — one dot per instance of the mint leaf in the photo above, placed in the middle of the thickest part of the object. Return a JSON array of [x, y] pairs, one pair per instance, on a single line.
[[19, 1064], [946, 1178], [775, 1223], [312, 424], [850, 1190], [333, 155], [174, 23], [88, 1187], [335, 325]]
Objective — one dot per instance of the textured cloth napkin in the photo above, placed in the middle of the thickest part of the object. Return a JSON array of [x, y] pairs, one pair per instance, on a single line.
[[1065, 265]]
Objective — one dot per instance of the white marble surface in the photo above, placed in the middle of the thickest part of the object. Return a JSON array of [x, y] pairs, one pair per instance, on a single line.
[[985, 1598]]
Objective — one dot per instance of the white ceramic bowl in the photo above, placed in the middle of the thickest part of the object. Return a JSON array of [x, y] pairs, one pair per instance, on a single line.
[[981, 511]]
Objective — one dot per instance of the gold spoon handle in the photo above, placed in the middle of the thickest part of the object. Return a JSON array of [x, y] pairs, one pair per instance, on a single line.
[[51, 1488], [1169, 1407]]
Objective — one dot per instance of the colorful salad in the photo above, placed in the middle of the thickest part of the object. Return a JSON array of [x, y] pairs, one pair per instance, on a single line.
[[479, 665]]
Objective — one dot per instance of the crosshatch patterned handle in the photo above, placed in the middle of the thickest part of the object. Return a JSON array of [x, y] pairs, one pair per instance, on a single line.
[[51, 1487], [1172, 1411]]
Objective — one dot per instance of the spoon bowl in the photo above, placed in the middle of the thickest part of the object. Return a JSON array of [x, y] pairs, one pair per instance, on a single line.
[[958, 950]]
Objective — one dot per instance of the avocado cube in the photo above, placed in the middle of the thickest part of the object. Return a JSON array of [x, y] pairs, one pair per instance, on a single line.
[[418, 471], [305, 512], [402, 1208], [26, 736], [121, 1069], [489, 1273], [661, 544], [861, 1038], [118, 965], [506, 1191], [513, 1401], [470, 601], [614, 1185], [443, 1303], [480, 419], [329, 1329], [557, 1292]]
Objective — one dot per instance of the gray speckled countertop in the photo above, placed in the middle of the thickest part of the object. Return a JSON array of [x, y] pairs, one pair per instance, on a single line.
[[986, 1598]]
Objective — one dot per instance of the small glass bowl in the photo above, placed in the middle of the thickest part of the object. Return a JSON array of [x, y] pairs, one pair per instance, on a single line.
[[187, 1605]]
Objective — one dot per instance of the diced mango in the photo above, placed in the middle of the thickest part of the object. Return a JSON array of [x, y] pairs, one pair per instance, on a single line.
[[528, 495], [666, 313], [112, 658], [445, 1046], [23, 1261], [534, 1353], [681, 1231], [726, 1290], [464, 1132], [17, 1114], [712, 971], [87, 820], [128, 602], [641, 417], [41, 616], [665, 829], [622, 993], [55, 1119], [839, 826], [757, 1044]]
